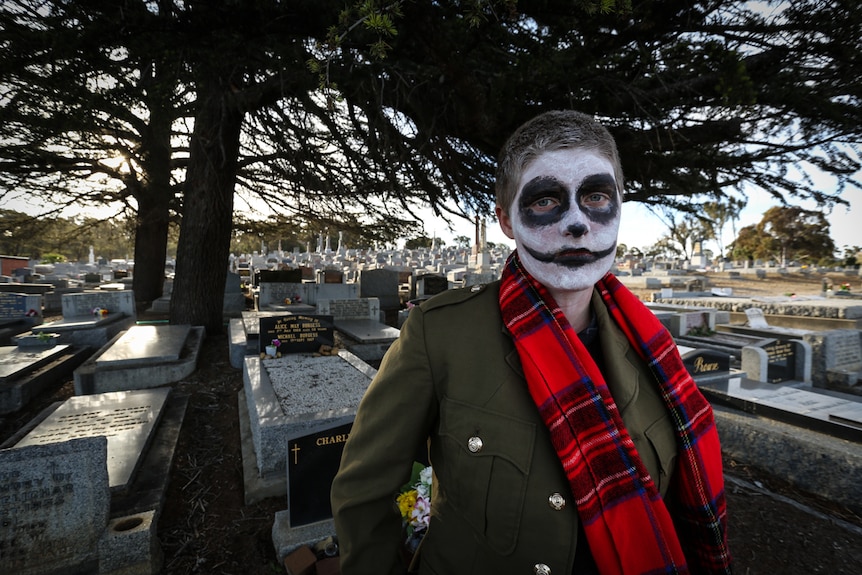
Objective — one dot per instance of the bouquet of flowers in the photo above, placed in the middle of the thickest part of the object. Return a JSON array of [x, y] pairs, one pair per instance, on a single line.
[[414, 503], [276, 342]]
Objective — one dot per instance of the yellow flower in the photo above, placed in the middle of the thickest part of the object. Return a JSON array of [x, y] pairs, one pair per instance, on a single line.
[[406, 501]]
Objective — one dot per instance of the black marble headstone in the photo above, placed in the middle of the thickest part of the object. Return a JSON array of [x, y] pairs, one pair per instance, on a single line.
[[297, 333], [312, 463], [706, 362], [781, 358]]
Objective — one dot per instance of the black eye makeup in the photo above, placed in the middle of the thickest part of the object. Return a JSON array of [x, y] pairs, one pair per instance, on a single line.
[[597, 198], [544, 200]]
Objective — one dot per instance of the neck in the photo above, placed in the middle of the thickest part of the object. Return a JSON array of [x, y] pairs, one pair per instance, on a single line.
[[575, 306]]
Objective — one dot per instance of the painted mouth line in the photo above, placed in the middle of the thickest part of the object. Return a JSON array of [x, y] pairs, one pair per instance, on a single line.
[[570, 257], [574, 257]]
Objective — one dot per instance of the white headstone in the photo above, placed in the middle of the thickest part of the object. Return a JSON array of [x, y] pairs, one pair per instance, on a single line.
[[756, 318]]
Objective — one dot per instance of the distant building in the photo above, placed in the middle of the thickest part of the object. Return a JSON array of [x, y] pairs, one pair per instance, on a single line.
[[8, 264]]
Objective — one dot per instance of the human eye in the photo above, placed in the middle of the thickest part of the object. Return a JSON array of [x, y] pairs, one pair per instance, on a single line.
[[597, 192], [596, 200], [544, 204], [542, 195]]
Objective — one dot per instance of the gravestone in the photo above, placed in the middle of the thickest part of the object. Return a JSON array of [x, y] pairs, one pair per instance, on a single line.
[[837, 359], [706, 363], [16, 306], [312, 463], [684, 321], [382, 284], [756, 319], [776, 361], [297, 333], [330, 276], [80, 326], [431, 284], [355, 308], [19, 312], [54, 506], [127, 419], [78, 305]]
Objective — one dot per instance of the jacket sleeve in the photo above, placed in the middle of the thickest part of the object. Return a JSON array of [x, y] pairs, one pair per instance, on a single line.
[[392, 425]]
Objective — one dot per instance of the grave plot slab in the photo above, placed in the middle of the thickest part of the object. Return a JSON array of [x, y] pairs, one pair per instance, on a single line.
[[832, 413], [142, 357], [299, 394], [26, 372], [367, 331], [127, 419]]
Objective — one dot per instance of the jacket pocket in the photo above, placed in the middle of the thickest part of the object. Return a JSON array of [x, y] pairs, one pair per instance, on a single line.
[[487, 458]]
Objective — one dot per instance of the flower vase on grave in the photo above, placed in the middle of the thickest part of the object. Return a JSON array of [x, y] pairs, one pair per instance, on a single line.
[[272, 348]]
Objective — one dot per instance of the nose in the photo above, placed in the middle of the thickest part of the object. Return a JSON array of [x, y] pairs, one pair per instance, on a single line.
[[574, 223], [577, 229]]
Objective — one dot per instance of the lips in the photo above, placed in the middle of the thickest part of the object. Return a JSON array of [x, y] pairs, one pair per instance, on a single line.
[[574, 257], [570, 257]]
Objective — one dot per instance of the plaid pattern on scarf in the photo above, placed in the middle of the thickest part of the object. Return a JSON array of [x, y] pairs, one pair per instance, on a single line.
[[627, 523]]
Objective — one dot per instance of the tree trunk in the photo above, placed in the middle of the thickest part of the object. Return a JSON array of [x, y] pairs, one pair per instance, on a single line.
[[204, 243], [151, 241], [156, 194]]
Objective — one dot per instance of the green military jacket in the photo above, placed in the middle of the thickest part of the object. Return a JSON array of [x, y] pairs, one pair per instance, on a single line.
[[452, 375]]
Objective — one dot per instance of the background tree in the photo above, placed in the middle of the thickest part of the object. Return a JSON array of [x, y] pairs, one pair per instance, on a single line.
[[752, 243], [91, 99], [418, 242], [703, 97], [798, 234], [462, 242], [785, 234], [719, 214]]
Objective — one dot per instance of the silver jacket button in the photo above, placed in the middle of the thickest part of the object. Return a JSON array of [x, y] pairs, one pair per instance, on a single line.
[[557, 501], [474, 444], [541, 569]]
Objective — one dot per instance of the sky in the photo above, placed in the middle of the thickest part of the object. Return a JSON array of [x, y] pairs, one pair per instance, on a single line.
[[641, 228]]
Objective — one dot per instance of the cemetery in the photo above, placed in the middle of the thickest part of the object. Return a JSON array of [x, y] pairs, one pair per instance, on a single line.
[[89, 475]]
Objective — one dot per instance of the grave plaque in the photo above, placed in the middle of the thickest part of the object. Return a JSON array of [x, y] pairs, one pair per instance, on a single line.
[[705, 362], [781, 358], [54, 506], [312, 463], [126, 418], [297, 333], [12, 304]]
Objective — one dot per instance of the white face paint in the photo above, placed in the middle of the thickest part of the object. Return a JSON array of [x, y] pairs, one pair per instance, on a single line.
[[565, 218]]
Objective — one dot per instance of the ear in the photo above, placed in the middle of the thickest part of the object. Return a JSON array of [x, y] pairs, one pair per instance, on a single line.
[[505, 222]]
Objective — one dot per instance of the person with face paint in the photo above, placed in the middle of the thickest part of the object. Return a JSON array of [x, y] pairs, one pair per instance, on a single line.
[[565, 435]]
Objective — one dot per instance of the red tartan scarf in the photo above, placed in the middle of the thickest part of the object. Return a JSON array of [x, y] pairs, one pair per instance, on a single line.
[[627, 523]]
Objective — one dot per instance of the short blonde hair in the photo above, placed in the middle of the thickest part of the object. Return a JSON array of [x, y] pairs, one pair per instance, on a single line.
[[554, 130]]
